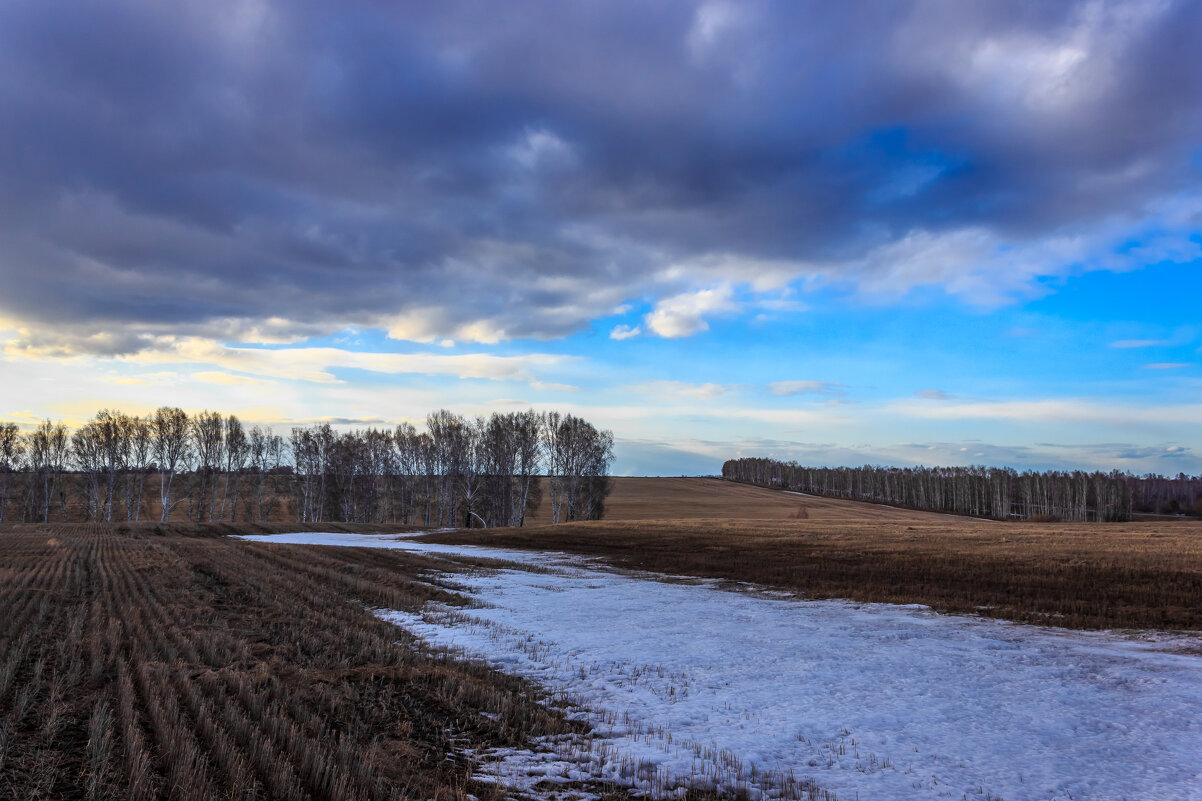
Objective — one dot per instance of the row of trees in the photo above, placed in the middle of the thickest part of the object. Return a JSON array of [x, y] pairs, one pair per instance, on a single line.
[[999, 493], [100, 471], [458, 471]]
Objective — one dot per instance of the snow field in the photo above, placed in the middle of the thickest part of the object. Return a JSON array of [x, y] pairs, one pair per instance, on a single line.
[[688, 684]]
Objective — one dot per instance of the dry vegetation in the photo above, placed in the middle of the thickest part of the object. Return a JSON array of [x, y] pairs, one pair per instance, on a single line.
[[704, 499], [137, 663], [1125, 575], [167, 661], [630, 499]]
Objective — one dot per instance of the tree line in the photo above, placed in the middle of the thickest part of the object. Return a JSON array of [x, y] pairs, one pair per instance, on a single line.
[[459, 471], [1000, 493]]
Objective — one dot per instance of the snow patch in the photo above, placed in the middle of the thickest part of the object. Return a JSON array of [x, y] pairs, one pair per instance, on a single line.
[[687, 683]]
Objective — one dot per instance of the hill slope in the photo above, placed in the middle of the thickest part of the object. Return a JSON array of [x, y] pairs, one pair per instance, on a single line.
[[638, 498]]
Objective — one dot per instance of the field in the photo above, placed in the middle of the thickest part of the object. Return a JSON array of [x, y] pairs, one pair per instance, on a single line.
[[642, 499], [1130, 575], [147, 666], [146, 661], [631, 499], [754, 693]]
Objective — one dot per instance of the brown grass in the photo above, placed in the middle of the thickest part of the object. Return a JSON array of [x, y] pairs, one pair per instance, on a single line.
[[642, 499], [169, 662], [145, 666], [1132, 575], [632, 498]]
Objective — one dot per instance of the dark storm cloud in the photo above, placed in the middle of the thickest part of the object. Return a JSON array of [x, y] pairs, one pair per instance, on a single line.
[[210, 167]]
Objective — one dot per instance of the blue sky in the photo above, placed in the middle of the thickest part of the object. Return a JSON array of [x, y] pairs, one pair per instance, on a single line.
[[942, 233]]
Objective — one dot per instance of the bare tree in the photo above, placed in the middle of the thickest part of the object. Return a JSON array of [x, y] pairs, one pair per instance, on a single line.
[[313, 451], [108, 449], [380, 455], [36, 447], [48, 447], [323, 447], [140, 437], [995, 492], [449, 440], [578, 459], [110, 429], [461, 472], [555, 454], [496, 448], [511, 463], [304, 455], [346, 463], [274, 464], [236, 450], [207, 439], [527, 430], [11, 451], [170, 434], [59, 452], [257, 446], [472, 463], [88, 455], [428, 459]]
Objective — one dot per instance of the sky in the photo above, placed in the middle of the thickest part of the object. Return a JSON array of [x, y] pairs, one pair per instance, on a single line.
[[888, 233]]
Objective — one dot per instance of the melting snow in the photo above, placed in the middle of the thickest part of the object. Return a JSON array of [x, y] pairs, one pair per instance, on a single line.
[[686, 682]]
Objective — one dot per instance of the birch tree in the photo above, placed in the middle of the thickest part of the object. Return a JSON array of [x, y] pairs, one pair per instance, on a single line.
[[405, 441], [140, 449], [207, 439], [48, 447], [110, 429], [170, 441], [526, 426], [235, 452], [258, 448], [578, 457], [999, 493], [88, 454]]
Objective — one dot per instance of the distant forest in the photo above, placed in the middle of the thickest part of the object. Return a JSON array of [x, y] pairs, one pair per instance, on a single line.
[[207, 467], [994, 492]]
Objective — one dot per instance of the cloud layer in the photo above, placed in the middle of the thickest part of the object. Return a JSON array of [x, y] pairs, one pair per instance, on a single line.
[[255, 171]]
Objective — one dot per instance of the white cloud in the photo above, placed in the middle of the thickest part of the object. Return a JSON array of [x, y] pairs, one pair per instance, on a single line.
[[711, 22], [540, 147], [684, 315], [782, 304], [551, 386], [1049, 72], [1071, 410], [1042, 75], [760, 275], [229, 379], [143, 379], [676, 390], [786, 388], [621, 332], [1139, 343], [986, 269], [970, 262], [315, 364], [439, 325]]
